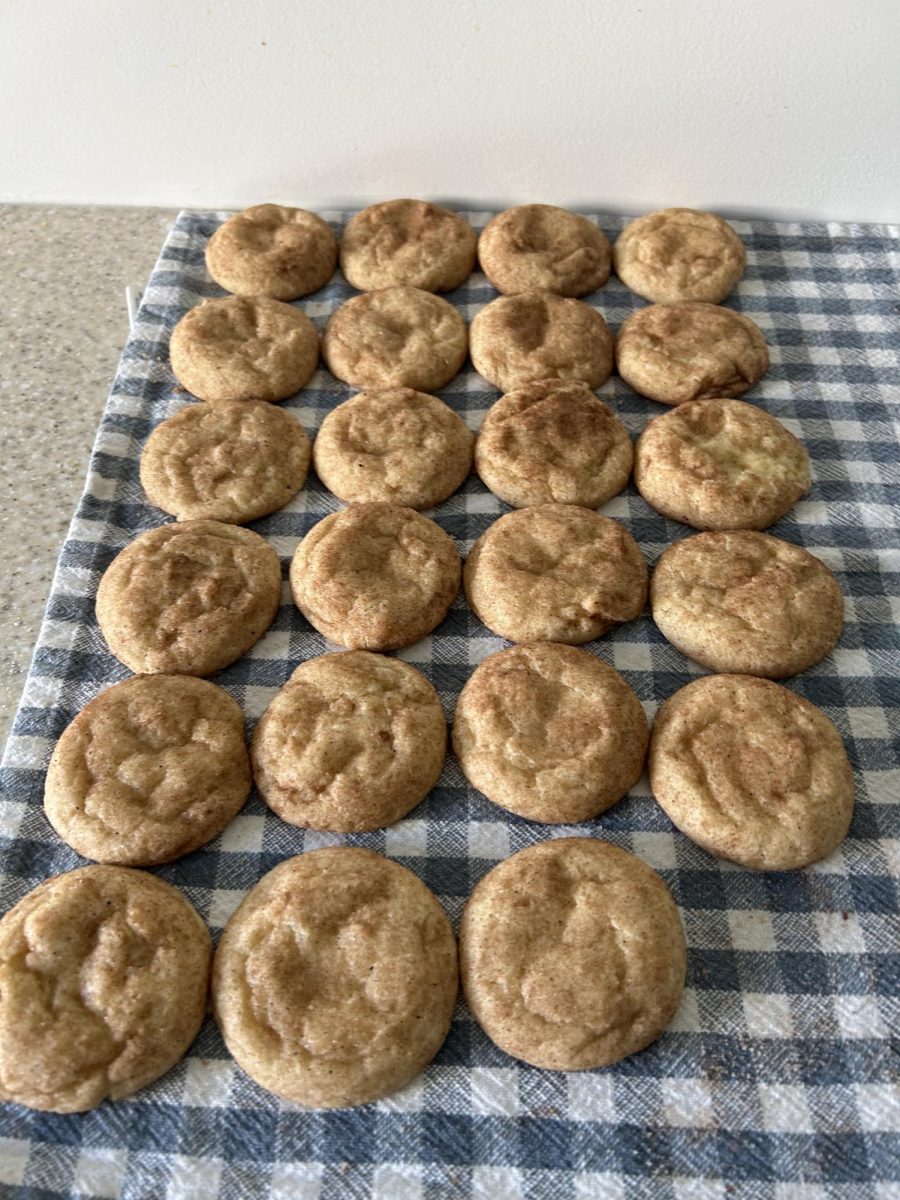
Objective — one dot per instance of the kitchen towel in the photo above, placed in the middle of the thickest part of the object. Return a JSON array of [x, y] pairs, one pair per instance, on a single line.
[[778, 1078]]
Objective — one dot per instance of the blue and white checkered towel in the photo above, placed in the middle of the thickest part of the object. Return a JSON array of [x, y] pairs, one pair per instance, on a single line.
[[779, 1076]]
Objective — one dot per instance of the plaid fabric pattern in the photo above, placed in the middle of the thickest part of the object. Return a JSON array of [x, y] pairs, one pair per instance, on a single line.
[[779, 1076]]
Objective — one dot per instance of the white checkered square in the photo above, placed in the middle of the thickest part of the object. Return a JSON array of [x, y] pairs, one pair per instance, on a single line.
[[296, 1181]]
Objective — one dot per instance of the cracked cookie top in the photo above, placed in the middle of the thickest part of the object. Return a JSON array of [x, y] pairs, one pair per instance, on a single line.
[[395, 337], [747, 602], [572, 954], [751, 772], [233, 461], [188, 598], [151, 769], [375, 576], [555, 573], [538, 335], [679, 254], [397, 445], [271, 250], [720, 464], [553, 441], [244, 348], [335, 981], [544, 247], [693, 351], [407, 243], [352, 742], [103, 981], [549, 732]]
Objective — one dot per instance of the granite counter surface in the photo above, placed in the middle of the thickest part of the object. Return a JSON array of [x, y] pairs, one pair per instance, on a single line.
[[63, 323]]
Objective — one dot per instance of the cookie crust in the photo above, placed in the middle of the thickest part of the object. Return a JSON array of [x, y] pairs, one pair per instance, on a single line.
[[540, 246], [550, 733], [375, 576], [720, 464], [231, 462], [746, 603], [537, 335], [103, 981], [397, 446], [572, 954], [151, 769], [407, 243], [244, 348], [679, 254], [553, 442], [555, 573], [690, 351], [395, 337], [188, 598], [272, 250], [751, 772], [335, 981], [352, 742]]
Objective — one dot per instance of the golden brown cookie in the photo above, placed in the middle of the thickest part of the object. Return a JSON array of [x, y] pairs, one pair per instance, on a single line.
[[151, 769], [549, 732], [375, 576], [335, 981], [188, 598], [747, 602], [752, 772], [234, 461], [103, 981], [395, 337], [541, 247], [352, 742], [398, 446], [555, 573], [270, 250], [679, 254], [720, 464], [537, 335], [407, 243], [692, 351], [572, 954], [244, 348], [553, 440]]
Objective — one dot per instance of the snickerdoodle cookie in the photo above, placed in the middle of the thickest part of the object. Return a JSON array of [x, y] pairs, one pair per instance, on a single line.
[[747, 602], [537, 335], [151, 769], [375, 576], [679, 254], [572, 954], [270, 250], [549, 732], [335, 981], [397, 445], [539, 246], [407, 243], [103, 980], [188, 598], [720, 464], [553, 440], [751, 772], [679, 352], [555, 573], [352, 742], [234, 461], [244, 348], [395, 337]]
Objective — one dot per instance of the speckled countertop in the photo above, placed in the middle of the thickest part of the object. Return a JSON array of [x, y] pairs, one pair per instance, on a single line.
[[63, 322]]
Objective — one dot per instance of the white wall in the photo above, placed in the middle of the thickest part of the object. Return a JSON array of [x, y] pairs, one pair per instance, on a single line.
[[746, 106]]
